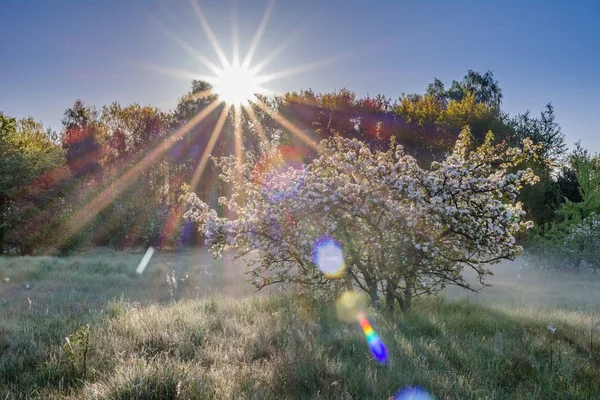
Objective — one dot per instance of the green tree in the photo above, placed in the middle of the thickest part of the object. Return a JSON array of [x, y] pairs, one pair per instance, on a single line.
[[542, 200], [544, 131], [572, 236], [81, 140], [136, 127], [484, 87], [31, 164]]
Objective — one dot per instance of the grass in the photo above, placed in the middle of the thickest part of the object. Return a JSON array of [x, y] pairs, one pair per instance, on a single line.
[[130, 337]]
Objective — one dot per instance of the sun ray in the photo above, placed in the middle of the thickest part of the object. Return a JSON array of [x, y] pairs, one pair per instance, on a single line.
[[259, 129], [238, 150], [278, 50], [191, 50], [102, 200], [178, 72], [263, 90], [295, 70], [237, 132], [258, 35], [209, 147], [210, 34], [276, 115], [309, 66], [198, 95], [235, 40], [238, 140]]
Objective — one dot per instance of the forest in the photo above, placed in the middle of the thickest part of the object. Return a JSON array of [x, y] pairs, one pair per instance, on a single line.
[[113, 176]]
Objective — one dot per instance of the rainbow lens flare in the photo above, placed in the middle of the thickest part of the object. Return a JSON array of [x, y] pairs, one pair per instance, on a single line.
[[413, 393], [327, 256], [375, 343]]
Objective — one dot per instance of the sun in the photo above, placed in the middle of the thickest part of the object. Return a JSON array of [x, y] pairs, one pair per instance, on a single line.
[[236, 85], [235, 82]]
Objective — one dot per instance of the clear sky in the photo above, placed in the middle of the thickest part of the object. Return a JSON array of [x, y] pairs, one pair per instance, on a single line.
[[55, 51]]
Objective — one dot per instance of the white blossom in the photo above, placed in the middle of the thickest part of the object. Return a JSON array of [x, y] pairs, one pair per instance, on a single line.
[[399, 225]]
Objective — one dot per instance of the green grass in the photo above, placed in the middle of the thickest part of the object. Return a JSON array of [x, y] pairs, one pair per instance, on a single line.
[[146, 343]]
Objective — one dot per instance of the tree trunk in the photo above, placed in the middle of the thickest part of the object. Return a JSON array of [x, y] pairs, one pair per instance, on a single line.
[[391, 296], [407, 297], [389, 300], [374, 296], [348, 282], [372, 286]]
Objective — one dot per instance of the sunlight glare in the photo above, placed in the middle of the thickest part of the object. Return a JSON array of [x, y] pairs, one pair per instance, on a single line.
[[140, 269], [236, 85], [327, 256], [413, 393]]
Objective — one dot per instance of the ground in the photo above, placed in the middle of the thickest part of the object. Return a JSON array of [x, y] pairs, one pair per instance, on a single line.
[[89, 327]]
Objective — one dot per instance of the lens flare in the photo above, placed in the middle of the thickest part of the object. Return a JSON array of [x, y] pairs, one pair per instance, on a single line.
[[328, 257], [375, 343], [145, 260], [351, 305], [413, 393]]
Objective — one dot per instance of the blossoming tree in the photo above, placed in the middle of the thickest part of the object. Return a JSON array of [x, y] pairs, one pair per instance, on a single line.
[[403, 231]]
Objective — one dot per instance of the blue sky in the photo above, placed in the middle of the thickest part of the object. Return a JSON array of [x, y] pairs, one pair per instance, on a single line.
[[54, 52]]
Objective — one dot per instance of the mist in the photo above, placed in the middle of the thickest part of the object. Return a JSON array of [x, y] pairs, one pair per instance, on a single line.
[[529, 281]]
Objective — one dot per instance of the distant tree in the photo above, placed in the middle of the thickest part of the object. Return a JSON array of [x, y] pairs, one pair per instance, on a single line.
[[437, 122], [27, 151], [132, 128], [306, 111], [377, 121], [81, 140], [542, 200], [403, 231], [567, 185], [426, 125], [573, 236], [484, 87], [582, 242], [129, 133], [196, 100], [436, 91], [134, 219], [544, 131], [31, 164]]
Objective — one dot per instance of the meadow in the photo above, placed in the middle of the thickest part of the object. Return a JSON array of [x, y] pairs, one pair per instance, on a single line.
[[88, 327]]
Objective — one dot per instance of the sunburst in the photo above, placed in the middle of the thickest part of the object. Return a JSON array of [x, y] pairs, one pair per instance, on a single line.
[[235, 84]]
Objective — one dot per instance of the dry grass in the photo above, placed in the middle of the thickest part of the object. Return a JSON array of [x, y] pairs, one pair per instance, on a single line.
[[151, 345]]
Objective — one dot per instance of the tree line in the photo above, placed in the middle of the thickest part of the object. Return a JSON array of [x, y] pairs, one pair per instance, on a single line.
[[113, 176]]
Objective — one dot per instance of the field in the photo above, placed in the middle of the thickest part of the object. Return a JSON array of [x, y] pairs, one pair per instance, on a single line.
[[89, 327]]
